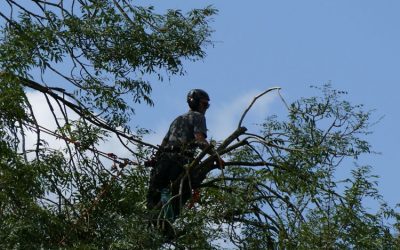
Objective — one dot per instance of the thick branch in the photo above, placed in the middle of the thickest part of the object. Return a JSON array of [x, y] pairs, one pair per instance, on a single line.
[[251, 164]]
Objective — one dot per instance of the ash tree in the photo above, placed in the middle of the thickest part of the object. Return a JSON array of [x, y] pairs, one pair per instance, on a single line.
[[89, 60]]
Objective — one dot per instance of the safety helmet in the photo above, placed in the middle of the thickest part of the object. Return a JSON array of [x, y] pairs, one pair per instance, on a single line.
[[194, 96]]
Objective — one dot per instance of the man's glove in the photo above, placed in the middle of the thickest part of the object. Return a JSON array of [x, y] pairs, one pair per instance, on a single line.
[[220, 163], [195, 198], [150, 163]]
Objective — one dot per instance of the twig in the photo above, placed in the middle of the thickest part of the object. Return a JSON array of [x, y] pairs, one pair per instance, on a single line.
[[283, 100]]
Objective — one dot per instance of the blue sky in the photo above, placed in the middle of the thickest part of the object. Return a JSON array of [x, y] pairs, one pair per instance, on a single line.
[[293, 44]]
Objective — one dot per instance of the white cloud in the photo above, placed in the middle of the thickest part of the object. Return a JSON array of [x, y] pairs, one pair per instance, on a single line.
[[46, 119], [225, 119]]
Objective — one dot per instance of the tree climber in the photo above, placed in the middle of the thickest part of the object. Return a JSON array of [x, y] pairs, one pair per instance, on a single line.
[[186, 133]]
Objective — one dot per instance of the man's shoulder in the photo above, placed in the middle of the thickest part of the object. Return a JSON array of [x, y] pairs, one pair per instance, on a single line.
[[190, 117], [193, 113]]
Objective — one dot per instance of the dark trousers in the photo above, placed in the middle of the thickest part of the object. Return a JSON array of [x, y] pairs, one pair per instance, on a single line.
[[168, 168]]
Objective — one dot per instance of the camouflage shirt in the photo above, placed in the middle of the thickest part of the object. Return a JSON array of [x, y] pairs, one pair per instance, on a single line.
[[183, 128]]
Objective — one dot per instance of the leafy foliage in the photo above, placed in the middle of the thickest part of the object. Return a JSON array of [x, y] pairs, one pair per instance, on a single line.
[[282, 189]]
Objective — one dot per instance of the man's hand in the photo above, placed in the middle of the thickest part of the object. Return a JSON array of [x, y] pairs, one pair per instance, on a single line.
[[220, 163], [151, 162], [201, 140]]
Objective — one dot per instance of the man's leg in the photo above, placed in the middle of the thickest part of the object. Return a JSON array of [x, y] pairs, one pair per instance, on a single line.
[[159, 180], [153, 195]]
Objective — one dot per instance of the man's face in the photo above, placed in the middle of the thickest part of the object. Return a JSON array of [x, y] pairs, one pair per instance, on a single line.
[[203, 106]]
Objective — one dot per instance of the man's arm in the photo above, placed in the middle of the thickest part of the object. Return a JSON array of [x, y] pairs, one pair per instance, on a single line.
[[203, 143], [200, 139]]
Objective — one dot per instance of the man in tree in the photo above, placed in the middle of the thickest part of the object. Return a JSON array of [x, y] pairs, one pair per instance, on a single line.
[[186, 133]]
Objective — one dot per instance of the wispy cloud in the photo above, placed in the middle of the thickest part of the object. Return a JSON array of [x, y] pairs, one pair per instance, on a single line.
[[223, 120], [46, 119]]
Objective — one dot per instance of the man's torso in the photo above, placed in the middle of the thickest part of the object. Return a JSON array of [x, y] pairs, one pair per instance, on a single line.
[[183, 128]]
